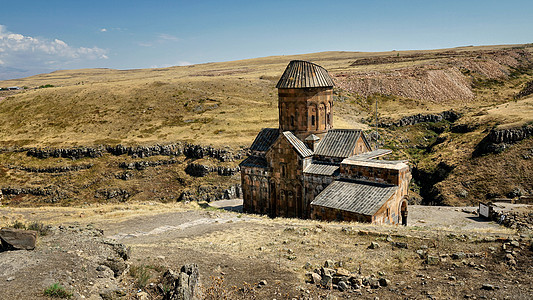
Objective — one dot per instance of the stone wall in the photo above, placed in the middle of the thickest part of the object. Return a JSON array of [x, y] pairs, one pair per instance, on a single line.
[[305, 111], [286, 180]]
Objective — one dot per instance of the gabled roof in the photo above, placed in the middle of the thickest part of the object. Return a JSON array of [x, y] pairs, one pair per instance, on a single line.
[[355, 196], [254, 162], [317, 168], [339, 143], [265, 139], [298, 145], [304, 74]]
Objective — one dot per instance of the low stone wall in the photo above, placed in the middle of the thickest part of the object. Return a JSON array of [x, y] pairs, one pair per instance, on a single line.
[[449, 115], [173, 149], [500, 139]]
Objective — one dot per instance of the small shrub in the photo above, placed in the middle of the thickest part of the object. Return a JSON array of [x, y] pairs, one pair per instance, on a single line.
[[141, 275], [216, 291], [19, 225], [41, 229], [56, 290]]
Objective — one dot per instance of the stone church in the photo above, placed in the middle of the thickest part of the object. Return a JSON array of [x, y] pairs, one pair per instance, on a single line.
[[307, 169]]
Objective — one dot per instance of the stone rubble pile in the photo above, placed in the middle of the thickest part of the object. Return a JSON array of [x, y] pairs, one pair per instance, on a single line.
[[331, 277]]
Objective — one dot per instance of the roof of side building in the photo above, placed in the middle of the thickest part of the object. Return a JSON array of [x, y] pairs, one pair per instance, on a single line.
[[339, 143], [304, 74], [264, 139], [300, 147], [254, 162], [355, 196], [322, 169]]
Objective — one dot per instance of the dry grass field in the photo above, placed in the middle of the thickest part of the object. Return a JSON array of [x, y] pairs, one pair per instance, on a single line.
[[226, 104]]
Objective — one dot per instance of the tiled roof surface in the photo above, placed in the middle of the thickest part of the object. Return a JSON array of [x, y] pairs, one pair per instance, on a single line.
[[377, 163], [304, 74], [254, 161], [300, 147], [371, 154], [355, 196], [322, 169], [265, 139], [338, 143]]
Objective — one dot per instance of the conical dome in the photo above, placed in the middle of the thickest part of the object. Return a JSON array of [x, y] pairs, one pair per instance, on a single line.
[[304, 74]]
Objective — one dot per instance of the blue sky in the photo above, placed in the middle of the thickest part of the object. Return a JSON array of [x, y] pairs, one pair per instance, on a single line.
[[42, 36]]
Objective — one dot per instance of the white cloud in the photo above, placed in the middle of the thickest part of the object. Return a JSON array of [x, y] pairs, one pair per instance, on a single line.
[[103, 30], [30, 53], [167, 37]]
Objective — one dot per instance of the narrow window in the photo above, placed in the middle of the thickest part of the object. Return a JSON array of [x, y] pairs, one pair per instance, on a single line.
[[292, 120], [312, 120]]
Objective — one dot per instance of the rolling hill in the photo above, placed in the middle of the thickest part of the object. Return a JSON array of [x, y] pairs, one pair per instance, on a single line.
[[224, 105]]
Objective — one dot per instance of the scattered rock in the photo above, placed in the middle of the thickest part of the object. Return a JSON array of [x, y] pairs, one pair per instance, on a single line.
[[384, 282], [343, 286], [261, 283], [17, 239], [459, 255], [373, 245], [329, 264], [327, 281], [432, 260], [400, 245]]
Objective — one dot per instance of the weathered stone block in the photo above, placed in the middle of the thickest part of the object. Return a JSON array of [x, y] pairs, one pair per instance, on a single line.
[[17, 239]]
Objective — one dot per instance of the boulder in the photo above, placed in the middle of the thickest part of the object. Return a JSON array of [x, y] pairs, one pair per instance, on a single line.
[[17, 239]]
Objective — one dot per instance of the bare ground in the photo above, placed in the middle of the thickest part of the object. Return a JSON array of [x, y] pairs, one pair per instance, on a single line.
[[245, 249]]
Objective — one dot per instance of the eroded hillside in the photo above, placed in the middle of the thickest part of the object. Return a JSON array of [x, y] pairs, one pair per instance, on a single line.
[[225, 104]]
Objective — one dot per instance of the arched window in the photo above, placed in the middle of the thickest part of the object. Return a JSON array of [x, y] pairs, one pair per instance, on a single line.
[[292, 120], [283, 171]]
